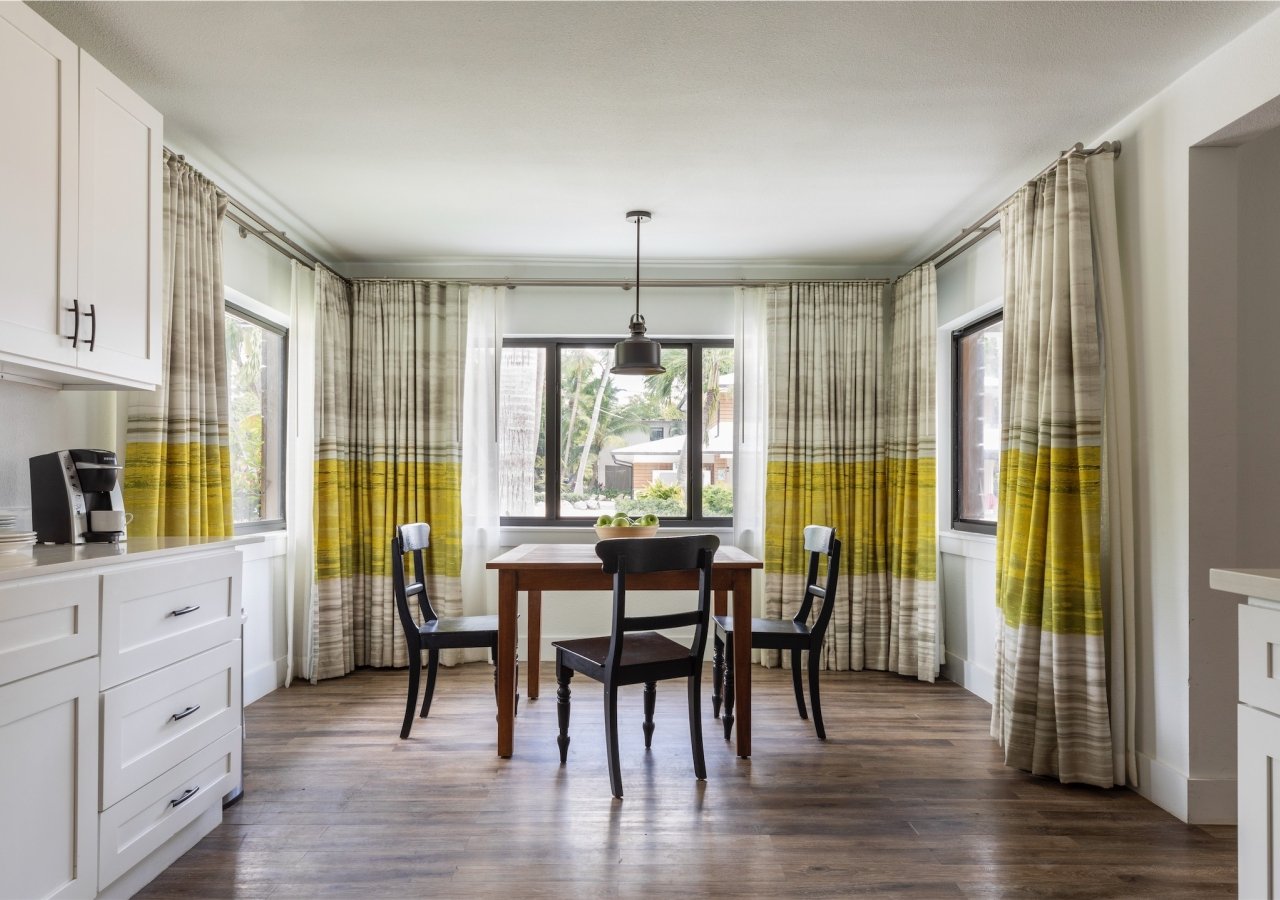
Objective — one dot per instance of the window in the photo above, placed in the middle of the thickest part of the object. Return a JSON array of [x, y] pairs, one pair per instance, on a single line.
[[615, 444], [256, 379], [975, 431]]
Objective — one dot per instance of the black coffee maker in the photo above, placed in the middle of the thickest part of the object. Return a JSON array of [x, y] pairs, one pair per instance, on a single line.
[[75, 497]]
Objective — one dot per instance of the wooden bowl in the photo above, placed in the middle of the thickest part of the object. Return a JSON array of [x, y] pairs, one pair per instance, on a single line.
[[606, 532]]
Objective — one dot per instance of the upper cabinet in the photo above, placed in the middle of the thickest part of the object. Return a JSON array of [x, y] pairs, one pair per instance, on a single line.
[[80, 255]]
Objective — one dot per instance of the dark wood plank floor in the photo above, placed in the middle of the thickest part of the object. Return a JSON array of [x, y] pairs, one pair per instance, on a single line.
[[908, 797]]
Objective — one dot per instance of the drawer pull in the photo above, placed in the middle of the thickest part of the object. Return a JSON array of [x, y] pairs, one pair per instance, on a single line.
[[184, 610], [186, 795], [92, 315], [74, 338], [179, 716]]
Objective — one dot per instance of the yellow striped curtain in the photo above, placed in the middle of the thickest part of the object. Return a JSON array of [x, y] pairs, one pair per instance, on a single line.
[[389, 358], [1051, 712], [912, 458], [177, 469], [826, 460]]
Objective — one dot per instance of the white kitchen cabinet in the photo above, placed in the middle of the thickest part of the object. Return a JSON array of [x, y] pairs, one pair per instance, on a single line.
[[80, 283], [49, 782]]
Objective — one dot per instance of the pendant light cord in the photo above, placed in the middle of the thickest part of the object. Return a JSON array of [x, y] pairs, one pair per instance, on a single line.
[[638, 220]]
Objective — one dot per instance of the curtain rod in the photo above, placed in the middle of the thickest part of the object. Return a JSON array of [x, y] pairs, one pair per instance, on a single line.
[[627, 283], [980, 229]]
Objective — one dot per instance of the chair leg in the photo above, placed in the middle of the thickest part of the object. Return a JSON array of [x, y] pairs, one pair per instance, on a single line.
[[650, 699], [815, 660], [433, 663], [717, 673], [415, 666], [611, 738], [726, 715], [695, 726], [563, 676], [796, 683]]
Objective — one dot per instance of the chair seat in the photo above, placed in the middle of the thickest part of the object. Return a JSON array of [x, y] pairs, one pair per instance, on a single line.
[[771, 634], [643, 653], [459, 631]]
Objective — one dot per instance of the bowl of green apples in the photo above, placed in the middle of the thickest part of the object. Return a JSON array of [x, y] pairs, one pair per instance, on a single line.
[[626, 526]]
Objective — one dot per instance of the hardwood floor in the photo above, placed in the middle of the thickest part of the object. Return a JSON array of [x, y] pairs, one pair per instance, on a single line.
[[907, 797]]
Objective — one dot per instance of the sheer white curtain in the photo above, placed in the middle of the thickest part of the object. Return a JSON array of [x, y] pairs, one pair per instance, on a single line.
[[751, 390], [480, 514], [300, 560]]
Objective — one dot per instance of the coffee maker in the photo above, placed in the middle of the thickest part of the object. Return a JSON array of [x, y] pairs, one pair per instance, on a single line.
[[75, 497]]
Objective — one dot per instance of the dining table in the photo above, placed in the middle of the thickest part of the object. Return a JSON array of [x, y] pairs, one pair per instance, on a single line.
[[534, 568]]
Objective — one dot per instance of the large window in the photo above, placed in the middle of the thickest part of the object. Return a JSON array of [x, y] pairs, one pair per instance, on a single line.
[[975, 432], [256, 379], [577, 442]]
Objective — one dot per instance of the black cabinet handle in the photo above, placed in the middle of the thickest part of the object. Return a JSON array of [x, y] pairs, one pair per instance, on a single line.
[[186, 795], [179, 716], [184, 610], [92, 314], [75, 308]]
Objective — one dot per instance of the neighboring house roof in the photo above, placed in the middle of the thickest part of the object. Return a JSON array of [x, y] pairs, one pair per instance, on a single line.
[[668, 449]]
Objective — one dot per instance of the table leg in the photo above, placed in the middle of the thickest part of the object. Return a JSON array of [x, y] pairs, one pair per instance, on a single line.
[[742, 659], [720, 606], [535, 640], [507, 628]]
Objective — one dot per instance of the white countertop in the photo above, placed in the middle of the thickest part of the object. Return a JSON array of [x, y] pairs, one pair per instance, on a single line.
[[53, 559], [1261, 583]]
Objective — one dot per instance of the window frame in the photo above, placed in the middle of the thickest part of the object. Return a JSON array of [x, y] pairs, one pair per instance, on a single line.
[[958, 522], [257, 313], [693, 485]]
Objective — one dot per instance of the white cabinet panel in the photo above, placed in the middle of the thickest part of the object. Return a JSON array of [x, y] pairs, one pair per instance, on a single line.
[[48, 779], [152, 723], [1259, 798], [119, 246], [46, 623], [38, 174]]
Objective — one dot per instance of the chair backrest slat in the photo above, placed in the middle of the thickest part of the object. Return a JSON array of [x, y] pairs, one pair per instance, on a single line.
[[637, 556]]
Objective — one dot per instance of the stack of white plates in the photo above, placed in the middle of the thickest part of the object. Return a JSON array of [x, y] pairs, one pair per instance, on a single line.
[[8, 520], [13, 541]]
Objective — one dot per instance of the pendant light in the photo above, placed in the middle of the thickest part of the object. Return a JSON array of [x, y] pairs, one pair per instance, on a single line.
[[637, 355]]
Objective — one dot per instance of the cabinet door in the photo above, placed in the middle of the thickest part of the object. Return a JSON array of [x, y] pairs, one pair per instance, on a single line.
[[119, 246], [1259, 800], [49, 779], [38, 231]]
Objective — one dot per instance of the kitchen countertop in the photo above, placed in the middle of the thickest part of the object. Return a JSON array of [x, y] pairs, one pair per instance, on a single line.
[[1261, 583], [54, 559]]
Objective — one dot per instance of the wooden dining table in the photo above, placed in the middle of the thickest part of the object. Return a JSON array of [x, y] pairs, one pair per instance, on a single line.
[[534, 568]]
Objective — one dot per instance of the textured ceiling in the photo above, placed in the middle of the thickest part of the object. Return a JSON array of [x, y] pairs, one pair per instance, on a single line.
[[789, 132]]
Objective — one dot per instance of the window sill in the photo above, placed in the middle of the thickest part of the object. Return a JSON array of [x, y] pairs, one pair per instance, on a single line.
[[514, 535], [968, 544]]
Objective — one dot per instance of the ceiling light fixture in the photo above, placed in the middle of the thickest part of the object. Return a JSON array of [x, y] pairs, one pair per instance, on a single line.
[[637, 354]]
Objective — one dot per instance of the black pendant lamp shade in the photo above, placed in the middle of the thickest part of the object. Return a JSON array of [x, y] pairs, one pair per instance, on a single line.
[[637, 355]]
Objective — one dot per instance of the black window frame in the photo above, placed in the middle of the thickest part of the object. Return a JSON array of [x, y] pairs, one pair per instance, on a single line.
[[958, 522], [280, 523], [693, 485]]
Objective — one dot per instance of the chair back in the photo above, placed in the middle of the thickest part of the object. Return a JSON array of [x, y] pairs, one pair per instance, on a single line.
[[820, 541], [635, 556], [411, 539]]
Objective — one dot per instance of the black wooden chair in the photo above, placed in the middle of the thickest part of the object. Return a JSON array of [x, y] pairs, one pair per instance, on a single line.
[[631, 654], [436, 633], [794, 634]]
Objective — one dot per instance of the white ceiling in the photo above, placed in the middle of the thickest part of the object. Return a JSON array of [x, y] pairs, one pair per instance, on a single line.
[[847, 133]]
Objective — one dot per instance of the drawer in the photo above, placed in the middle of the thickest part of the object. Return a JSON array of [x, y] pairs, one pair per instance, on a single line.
[[47, 623], [1260, 658], [152, 723], [158, 614], [141, 822]]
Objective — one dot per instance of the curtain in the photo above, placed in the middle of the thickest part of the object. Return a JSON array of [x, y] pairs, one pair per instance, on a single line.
[[914, 639], [480, 514], [177, 477], [1051, 713], [750, 416], [388, 451], [300, 446], [826, 461]]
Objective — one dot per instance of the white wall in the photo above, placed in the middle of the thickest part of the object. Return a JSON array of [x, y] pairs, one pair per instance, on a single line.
[[1185, 641], [966, 571]]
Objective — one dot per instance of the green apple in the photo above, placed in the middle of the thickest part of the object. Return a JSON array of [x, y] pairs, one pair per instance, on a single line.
[[621, 522], [605, 520], [648, 519]]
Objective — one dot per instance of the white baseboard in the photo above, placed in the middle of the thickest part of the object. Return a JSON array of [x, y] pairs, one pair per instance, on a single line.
[[1197, 801], [973, 678], [263, 679]]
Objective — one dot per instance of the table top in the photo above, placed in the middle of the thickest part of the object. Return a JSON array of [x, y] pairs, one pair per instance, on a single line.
[[583, 556]]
